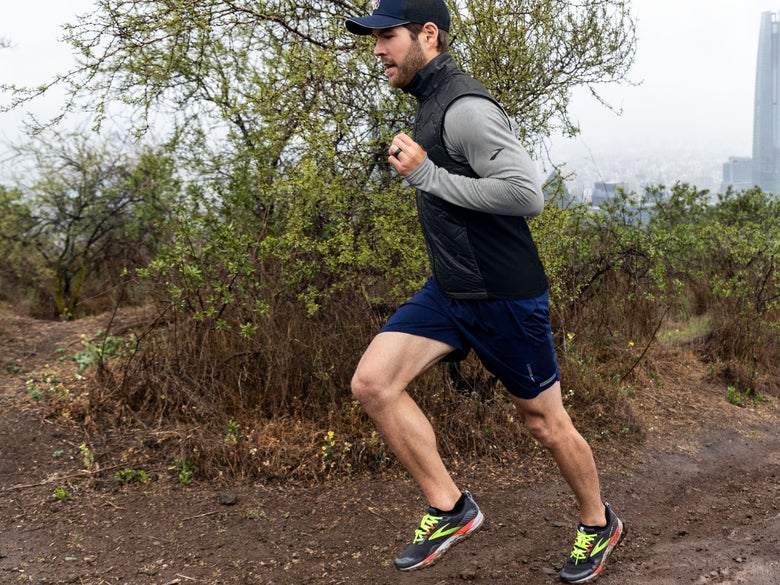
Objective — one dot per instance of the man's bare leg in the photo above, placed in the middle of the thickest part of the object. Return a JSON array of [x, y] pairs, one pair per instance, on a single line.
[[547, 420], [390, 363]]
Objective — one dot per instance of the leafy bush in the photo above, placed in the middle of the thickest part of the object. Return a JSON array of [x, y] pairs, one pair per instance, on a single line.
[[84, 215]]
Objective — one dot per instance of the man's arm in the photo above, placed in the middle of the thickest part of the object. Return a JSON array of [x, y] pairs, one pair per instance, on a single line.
[[477, 132]]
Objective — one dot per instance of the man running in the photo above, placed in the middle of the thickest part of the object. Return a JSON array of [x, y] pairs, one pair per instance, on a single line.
[[475, 186]]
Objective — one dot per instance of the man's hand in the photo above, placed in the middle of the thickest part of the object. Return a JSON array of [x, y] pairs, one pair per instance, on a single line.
[[405, 154]]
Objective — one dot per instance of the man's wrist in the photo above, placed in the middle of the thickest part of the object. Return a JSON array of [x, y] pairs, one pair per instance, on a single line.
[[417, 177]]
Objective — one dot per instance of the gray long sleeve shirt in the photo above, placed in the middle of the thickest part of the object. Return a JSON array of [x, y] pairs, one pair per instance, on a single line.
[[507, 183]]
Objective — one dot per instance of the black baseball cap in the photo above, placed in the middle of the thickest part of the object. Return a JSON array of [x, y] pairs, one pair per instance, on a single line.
[[390, 13]]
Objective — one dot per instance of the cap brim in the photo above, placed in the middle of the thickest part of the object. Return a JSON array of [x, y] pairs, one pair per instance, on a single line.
[[365, 24]]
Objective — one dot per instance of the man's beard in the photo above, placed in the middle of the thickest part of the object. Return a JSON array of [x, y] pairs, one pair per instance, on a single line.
[[410, 66]]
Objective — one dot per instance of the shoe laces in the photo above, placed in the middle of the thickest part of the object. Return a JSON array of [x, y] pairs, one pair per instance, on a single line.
[[427, 524], [582, 545]]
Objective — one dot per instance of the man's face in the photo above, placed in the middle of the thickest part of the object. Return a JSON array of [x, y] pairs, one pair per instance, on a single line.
[[401, 55]]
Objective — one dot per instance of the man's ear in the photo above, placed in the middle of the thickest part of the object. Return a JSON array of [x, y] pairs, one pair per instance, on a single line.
[[429, 35]]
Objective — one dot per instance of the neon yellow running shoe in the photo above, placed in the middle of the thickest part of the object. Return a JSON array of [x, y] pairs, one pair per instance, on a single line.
[[591, 549], [437, 533]]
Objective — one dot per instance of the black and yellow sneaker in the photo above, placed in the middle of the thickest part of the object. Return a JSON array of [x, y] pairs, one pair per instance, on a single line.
[[591, 549], [438, 531]]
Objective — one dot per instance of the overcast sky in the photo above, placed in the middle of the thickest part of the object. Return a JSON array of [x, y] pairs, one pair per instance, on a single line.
[[695, 61]]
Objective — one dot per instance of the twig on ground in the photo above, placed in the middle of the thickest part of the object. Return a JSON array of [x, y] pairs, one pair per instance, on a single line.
[[378, 515], [81, 475], [203, 515]]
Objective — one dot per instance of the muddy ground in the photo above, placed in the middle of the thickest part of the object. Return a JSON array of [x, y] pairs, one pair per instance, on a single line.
[[700, 496]]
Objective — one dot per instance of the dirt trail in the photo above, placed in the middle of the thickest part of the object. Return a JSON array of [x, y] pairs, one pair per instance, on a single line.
[[700, 498]]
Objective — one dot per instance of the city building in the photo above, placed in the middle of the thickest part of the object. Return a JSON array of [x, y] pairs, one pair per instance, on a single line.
[[766, 113], [737, 174], [604, 191]]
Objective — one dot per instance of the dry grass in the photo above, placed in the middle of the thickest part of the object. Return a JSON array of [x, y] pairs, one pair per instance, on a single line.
[[278, 406]]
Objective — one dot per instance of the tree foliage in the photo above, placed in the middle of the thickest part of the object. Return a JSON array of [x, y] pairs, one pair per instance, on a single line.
[[90, 212], [282, 116], [531, 54], [275, 65], [18, 275], [296, 238]]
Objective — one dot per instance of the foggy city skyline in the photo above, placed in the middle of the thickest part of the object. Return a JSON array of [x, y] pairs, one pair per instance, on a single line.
[[690, 115], [691, 110]]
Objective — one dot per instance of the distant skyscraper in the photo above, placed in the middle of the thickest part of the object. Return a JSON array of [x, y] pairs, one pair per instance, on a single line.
[[738, 174], [605, 191], [766, 115]]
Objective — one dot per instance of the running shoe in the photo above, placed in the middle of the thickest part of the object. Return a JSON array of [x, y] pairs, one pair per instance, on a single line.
[[437, 533], [591, 549]]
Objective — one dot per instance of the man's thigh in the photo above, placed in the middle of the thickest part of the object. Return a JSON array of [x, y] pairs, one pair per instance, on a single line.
[[395, 359]]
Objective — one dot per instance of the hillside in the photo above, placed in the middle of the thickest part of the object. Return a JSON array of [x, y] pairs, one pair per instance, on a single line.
[[700, 495]]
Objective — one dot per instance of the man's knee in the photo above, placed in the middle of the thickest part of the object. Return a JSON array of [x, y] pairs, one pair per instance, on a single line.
[[549, 428], [362, 386], [367, 388], [539, 429]]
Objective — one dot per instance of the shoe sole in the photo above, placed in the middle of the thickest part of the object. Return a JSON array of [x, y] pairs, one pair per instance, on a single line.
[[619, 538], [456, 538]]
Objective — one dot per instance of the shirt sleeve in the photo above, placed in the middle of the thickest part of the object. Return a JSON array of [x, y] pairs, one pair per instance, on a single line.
[[478, 133]]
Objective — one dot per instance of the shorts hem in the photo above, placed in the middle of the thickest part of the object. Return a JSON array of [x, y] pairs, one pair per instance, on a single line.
[[456, 355], [529, 393]]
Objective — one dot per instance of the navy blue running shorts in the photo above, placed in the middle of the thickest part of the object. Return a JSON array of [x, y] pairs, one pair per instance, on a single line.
[[512, 338]]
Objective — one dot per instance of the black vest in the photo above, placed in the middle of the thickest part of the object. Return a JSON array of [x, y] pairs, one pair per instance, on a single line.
[[473, 255]]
